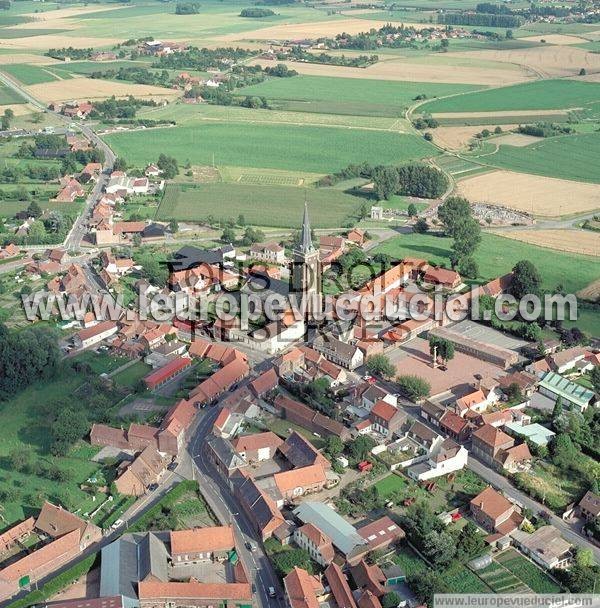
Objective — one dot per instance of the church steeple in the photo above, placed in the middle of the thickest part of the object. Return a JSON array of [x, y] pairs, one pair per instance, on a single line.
[[305, 238]]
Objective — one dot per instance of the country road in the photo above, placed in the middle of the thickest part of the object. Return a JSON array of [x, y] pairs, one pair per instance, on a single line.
[[78, 230]]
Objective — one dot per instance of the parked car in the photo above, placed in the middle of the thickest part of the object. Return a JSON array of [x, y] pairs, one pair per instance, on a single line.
[[152, 487], [272, 592]]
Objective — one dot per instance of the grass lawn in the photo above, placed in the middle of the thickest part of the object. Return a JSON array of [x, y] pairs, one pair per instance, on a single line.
[[462, 580], [8, 96], [390, 484], [281, 427], [24, 429], [539, 95], [101, 363], [28, 74], [262, 205], [130, 376], [350, 95], [497, 256], [572, 157], [535, 578], [409, 561], [297, 148]]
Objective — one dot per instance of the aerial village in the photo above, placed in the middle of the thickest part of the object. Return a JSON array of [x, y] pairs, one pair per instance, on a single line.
[[335, 468]]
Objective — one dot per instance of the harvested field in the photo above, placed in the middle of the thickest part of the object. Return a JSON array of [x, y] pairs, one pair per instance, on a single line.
[[591, 291], [516, 139], [285, 31], [88, 88], [65, 13], [547, 61], [413, 71], [559, 39], [49, 41], [584, 242], [25, 58], [545, 196], [455, 138], [20, 109]]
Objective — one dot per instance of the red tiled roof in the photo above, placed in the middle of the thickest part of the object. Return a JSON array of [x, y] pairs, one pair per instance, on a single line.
[[492, 503], [265, 382], [383, 409], [300, 478], [492, 436], [453, 422], [441, 275], [339, 587], [302, 589], [245, 443], [193, 590], [172, 368], [381, 531], [202, 540]]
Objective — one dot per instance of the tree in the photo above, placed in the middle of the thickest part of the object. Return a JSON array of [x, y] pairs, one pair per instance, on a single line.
[[386, 182], [412, 210], [174, 226], [443, 348], [228, 235], [470, 543], [414, 387], [334, 446], [120, 164], [425, 584], [439, 548], [168, 165], [526, 279], [595, 378], [455, 214], [390, 600], [69, 427], [513, 392], [285, 561], [421, 226], [564, 452], [381, 365], [34, 210], [468, 267], [360, 448], [241, 221]]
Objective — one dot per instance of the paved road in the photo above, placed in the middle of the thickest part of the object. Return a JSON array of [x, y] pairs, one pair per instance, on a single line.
[[78, 230], [227, 509]]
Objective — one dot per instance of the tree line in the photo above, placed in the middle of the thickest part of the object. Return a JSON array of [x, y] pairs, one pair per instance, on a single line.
[[480, 19]]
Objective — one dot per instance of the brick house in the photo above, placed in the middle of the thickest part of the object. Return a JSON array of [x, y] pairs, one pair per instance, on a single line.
[[316, 543], [387, 419], [201, 545]]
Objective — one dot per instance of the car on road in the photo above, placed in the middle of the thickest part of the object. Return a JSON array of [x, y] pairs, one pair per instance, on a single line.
[[152, 487], [172, 466], [117, 524], [250, 546], [271, 591]]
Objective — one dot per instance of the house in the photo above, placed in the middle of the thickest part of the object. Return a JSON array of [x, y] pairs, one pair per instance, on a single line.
[[9, 251], [257, 447], [300, 481], [565, 360], [589, 506], [487, 441], [90, 172], [257, 505], [423, 435], [317, 544], [300, 452], [330, 249], [302, 589], [265, 383], [71, 190], [455, 427], [526, 383], [152, 171], [339, 587], [370, 394], [448, 279], [494, 512], [474, 401], [96, 334], [168, 372], [446, 457], [268, 252], [356, 236], [381, 533], [369, 579], [17, 534], [221, 381], [387, 419], [553, 385], [194, 594], [432, 412], [201, 545], [136, 477], [341, 353], [545, 546]]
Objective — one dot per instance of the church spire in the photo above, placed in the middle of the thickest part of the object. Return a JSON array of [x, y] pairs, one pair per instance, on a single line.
[[305, 237]]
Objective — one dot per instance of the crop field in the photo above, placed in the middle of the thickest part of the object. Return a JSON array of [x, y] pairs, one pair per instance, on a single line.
[[496, 255], [539, 95], [457, 167], [368, 97], [544, 196], [572, 157], [502, 580], [535, 578], [585, 242], [8, 96], [28, 74], [297, 148], [262, 205]]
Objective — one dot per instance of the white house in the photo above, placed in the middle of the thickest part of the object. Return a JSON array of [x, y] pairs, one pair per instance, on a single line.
[[444, 458], [93, 335]]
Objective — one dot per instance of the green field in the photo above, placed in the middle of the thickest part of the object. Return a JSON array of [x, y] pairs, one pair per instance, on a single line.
[[297, 148], [535, 578], [8, 96], [350, 95], [539, 95], [572, 157], [502, 580], [497, 255], [129, 377], [28, 74], [279, 206], [390, 484]]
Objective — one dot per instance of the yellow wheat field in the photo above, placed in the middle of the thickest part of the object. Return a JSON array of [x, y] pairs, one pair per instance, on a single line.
[[584, 242]]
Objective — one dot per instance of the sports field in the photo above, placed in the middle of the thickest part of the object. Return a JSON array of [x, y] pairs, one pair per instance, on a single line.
[[277, 206], [362, 96], [573, 157], [316, 149], [539, 95]]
